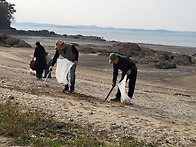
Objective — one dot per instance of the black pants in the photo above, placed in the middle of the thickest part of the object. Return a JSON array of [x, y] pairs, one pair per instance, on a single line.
[[39, 74], [132, 79]]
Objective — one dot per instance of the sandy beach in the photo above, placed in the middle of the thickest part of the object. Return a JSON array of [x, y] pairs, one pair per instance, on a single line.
[[164, 103]]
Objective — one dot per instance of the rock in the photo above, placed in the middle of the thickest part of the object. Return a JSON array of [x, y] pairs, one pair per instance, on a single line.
[[3, 35], [11, 41], [22, 43], [182, 60], [147, 60], [162, 56], [165, 65], [128, 49]]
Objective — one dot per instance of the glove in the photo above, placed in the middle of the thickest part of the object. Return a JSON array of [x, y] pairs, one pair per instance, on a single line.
[[50, 68], [129, 72], [114, 84]]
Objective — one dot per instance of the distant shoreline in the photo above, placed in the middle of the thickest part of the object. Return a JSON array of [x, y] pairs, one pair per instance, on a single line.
[[45, 33], [161, 37], [95, 27]]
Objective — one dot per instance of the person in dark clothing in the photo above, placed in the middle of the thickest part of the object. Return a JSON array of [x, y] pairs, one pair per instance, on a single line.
[[127, 66], [40, 63], [70, 52]]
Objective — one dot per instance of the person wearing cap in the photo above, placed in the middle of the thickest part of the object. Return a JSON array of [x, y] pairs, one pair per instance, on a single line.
[[70, 52], [127, 66]]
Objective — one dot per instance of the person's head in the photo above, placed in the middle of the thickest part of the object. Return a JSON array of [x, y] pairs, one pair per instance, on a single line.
[[60, 45], [37, 43], [113, 58]]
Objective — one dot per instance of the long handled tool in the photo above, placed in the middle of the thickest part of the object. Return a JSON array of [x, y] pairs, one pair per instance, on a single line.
[[45, 79], [109, 93]]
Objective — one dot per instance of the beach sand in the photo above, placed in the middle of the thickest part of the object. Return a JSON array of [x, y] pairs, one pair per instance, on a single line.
[[164, 103]]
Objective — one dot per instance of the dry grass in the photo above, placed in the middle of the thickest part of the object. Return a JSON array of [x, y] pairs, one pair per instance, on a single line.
[[34, 128]]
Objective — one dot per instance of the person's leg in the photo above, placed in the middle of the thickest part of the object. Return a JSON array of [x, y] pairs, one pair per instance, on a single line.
[[39, 74], [73, 75], [46, 71], [118, 94], [50, 64], [132, 81]]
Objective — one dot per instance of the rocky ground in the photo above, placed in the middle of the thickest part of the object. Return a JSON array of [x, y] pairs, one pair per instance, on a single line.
[[164, 102]]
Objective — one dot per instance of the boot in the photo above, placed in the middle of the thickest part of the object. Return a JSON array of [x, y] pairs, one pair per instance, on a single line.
[[72, 90], [116, 99], [66, 89]]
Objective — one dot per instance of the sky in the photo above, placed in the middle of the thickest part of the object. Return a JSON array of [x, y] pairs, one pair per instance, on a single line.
[[174, 15]]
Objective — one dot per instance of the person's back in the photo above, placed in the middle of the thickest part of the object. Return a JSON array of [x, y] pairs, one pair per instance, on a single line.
[[40, 63]]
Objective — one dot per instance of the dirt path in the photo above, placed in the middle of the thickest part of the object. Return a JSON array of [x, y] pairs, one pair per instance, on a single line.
[[162, 112]]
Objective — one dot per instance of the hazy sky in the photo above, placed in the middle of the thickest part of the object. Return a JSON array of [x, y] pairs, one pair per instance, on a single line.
[[176, 15]]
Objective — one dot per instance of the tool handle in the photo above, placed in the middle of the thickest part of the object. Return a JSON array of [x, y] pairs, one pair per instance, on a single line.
[[109, 93], [46, 77]]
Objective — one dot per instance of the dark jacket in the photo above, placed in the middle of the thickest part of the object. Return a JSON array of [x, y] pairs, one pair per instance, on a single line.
[[40, 55], [124, 64], [70, 51]]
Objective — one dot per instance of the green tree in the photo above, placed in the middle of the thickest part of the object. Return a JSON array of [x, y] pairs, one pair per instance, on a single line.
[[6, 14]]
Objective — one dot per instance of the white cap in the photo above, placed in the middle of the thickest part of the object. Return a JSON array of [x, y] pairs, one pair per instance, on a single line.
[[59, 43]]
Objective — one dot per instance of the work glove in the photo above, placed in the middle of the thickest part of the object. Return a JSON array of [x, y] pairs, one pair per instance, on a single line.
[[50, 68], [129, 72]]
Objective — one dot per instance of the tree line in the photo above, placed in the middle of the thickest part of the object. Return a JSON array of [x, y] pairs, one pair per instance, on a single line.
[[6, 14]]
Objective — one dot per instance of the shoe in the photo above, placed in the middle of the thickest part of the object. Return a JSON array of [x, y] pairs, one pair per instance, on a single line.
[[66, 89], [72, 91], [115, 100]]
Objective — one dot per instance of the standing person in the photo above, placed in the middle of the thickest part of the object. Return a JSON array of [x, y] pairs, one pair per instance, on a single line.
[[40, 63], [127, 66], [49, 63], [70, 52]]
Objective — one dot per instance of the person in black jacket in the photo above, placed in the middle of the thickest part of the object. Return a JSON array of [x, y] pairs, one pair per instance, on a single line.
[[40, 63], [69, 52], [127, 66]]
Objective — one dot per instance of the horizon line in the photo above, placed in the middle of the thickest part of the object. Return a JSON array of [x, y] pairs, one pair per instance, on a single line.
[[98, 27]]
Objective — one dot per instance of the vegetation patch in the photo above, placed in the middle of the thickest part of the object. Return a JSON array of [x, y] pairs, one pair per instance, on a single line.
[[30, 127]]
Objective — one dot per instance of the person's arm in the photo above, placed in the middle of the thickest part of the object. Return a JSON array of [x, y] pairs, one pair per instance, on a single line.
[[115, 74], [55, 58], [75, 51]]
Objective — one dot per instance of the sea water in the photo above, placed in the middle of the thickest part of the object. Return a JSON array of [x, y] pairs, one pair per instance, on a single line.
[[136, 36]]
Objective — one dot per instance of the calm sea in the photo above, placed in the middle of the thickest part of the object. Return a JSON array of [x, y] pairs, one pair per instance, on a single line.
[[151, 37]]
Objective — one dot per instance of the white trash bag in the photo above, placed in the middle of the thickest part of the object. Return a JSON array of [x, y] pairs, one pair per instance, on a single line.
[[124, 97], [63, 67]]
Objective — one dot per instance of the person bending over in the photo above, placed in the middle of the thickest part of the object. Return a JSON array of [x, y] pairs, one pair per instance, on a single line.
[[127, 66], [69, 52]]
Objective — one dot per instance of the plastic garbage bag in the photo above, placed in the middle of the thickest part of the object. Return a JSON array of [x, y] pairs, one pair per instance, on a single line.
[[63, 67], [124, 97]]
